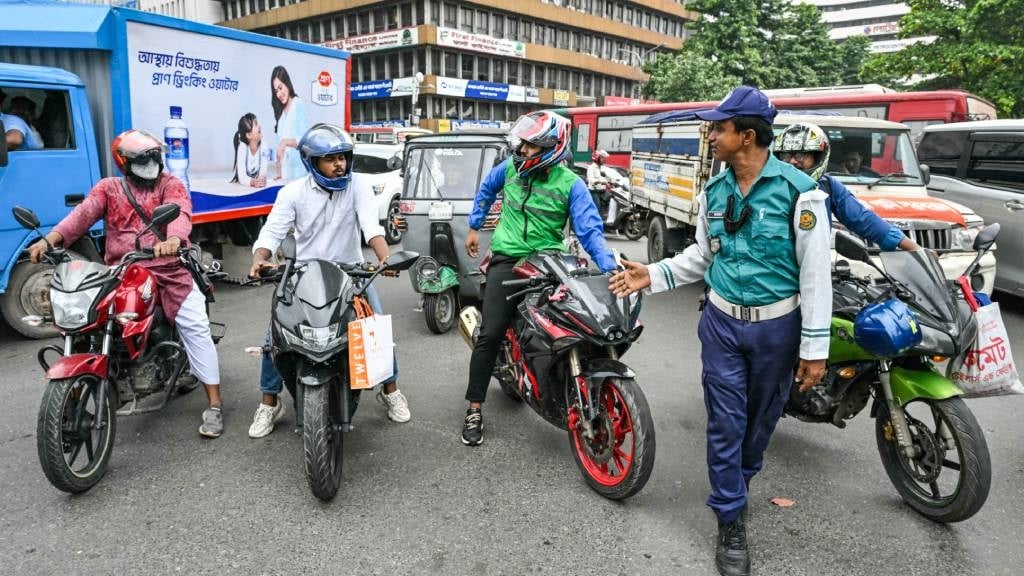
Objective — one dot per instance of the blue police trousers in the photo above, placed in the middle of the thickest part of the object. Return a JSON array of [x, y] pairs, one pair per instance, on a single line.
[[748, 372]]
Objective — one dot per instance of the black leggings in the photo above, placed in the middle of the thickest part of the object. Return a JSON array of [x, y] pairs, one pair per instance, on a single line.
[[497, 316]]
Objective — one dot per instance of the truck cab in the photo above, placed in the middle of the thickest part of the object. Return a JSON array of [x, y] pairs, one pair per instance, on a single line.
[[671, 162], [52, 175]]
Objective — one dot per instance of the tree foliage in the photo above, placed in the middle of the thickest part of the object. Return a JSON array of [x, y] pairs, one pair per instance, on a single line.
[[979, 47], [763, 43]]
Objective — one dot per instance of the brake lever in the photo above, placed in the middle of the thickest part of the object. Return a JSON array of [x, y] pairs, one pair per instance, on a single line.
[[523, 292]]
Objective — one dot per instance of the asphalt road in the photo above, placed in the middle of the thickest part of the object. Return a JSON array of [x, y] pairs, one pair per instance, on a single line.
[[416, 501]]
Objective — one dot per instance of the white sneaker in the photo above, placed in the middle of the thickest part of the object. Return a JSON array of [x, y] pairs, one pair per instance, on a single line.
[[398, 406], [265, 418]]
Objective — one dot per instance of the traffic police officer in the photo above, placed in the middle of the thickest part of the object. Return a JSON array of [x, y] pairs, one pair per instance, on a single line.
[[762, 247]]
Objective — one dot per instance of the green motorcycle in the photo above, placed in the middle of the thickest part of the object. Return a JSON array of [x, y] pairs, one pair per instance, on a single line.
[[931, 446]]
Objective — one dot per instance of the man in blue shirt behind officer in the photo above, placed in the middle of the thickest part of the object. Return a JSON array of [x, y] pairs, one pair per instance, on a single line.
[[762, 247]]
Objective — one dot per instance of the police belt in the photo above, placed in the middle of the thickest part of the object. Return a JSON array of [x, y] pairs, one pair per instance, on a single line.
[[755, 313]]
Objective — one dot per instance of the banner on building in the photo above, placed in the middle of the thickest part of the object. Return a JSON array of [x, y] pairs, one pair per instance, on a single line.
[[560, 97], [532, 95], [480, 43], [376, 89], [380, 124], [376, 41]]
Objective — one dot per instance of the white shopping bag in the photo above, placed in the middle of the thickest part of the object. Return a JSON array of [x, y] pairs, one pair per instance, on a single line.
[[371, 349], [986, 368]]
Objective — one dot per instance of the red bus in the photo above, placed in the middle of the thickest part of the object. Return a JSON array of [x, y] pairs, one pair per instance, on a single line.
[[610, 128]]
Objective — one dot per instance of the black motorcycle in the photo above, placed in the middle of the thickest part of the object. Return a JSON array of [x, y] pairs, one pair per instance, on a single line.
[[561, 356], [312, 306]]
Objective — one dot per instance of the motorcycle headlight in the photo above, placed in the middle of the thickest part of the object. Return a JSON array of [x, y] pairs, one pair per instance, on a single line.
[[316, 339], [428, 269], [963, 238], [71, 309]]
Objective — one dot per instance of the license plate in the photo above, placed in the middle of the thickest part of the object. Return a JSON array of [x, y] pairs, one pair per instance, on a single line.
[[440, 211]]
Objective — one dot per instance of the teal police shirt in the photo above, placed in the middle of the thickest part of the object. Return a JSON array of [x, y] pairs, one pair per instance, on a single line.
[[755, 265]]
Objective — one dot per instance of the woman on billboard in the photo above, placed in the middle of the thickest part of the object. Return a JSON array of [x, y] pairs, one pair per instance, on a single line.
[[250, 157], [290, 124]]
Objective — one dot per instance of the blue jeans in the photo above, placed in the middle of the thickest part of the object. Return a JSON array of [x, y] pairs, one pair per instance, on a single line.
[[270, 379]]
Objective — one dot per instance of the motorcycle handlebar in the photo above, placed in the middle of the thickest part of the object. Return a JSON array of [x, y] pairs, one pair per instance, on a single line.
[[519, 283]]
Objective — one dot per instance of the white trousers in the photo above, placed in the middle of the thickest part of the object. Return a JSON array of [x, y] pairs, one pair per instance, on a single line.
[[194, 328]]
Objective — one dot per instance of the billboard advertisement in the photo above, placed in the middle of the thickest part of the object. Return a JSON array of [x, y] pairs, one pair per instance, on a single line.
[[244, 108]]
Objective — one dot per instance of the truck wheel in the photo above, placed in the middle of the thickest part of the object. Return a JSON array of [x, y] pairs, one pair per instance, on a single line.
[[28, 294], [657, 249]]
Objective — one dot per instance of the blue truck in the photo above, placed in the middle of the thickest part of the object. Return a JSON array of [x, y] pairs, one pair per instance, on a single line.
[[76, 75]]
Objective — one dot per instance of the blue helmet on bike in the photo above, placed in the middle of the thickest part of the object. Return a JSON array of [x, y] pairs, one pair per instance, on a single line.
[[326, 140], [886, 329]]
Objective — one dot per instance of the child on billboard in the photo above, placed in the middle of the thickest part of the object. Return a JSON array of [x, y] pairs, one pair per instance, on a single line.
[[251, 160]]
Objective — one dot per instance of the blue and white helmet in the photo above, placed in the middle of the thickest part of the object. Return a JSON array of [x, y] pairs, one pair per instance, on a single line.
[[326, 140]]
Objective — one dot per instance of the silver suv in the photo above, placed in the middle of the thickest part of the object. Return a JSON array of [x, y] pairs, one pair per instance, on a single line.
[[981, 165]]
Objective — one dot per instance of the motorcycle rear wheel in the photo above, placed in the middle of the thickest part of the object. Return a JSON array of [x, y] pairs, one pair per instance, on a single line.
[[926, 482], [64, 433], [322, 439], [633, 228], [618, 461]]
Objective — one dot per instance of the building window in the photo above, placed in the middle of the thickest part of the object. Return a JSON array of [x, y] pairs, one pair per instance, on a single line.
[[551, 78], [513, 72], [527, 70], [563, 39], [261, 5], [364, 22], [499, 26], [406, 11], [378, 68], [451, 12], [304, 32], [513, 28], [551, 36], [380, 19], [527, 31], [467, 67], [498, 70], [483, 111], [366, 74], [588, 85], [393, 66], [563, 79], [468, 110], [435, 12], [618, 12], [466, 22], [317, 36], [483, 22], [451, 64]]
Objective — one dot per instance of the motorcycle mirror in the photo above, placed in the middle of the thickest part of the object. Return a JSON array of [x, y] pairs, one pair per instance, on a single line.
[[288, 247], [987, 237], [402, 260], [165, 214], [3, 146], [24, 216], [850, 247]]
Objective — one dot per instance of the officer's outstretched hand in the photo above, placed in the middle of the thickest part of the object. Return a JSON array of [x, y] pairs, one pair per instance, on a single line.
[[634, 278], [809, 373]]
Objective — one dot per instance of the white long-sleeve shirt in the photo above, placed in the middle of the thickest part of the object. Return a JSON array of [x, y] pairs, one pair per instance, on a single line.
[[813, 256], [327, 226]]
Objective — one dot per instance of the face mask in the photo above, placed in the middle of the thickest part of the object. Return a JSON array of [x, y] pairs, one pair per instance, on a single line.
[[148, 171]]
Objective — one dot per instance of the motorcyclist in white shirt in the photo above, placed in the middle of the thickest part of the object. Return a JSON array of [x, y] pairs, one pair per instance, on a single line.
[[328, 209]]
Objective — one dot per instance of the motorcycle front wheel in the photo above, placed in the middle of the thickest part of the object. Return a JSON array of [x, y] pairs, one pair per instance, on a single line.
[[322, 439], [617, 461], [949, 477], [73, 454], [633, 227]]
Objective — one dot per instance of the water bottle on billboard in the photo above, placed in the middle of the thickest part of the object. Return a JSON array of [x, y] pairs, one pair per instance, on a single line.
[[176, 137]]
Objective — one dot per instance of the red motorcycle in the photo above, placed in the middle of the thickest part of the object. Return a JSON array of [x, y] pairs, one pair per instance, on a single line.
[[119, 349]]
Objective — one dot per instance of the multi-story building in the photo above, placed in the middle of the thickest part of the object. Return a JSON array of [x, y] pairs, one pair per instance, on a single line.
[[206, 11], [877, 19], [482, 61]]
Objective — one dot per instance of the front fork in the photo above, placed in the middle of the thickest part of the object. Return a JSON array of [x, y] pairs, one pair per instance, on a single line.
[[584, 399], [897, 417]]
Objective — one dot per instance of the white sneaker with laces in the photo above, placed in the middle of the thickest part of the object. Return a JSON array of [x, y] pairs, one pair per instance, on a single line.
[[265, 418], [397, 405]]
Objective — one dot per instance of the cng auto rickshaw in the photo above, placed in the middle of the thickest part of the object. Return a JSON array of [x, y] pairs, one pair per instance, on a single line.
[[441, 175]]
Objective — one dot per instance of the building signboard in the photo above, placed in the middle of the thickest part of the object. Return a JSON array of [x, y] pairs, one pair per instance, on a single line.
[[480, 43], [376, 41]]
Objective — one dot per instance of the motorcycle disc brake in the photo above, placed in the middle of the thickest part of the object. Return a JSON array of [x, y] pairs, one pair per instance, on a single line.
[[602, 445], [927, 465]]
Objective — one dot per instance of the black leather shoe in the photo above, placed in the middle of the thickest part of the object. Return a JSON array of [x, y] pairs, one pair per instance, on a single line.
[[732, 556]]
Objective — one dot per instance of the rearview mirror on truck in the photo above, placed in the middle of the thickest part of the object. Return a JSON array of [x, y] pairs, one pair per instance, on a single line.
[[3, 145]]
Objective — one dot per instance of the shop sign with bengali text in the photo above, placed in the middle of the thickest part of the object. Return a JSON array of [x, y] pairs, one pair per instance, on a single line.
[[480, 43], [376, 41]]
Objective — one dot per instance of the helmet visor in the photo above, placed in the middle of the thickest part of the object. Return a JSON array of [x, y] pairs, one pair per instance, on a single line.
[[535, 130]]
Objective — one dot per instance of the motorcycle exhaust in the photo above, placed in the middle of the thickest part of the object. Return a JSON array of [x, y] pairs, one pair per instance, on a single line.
[[469, 325]]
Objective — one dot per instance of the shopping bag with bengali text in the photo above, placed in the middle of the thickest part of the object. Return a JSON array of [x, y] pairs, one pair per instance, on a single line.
[[986, 368], [371, 349]]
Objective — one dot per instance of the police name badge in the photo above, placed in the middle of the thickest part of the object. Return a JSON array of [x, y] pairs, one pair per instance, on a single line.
[[807, 220]]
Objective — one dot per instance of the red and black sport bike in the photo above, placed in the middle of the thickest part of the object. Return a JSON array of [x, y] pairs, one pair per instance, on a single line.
[[118, 349], [561, 357]]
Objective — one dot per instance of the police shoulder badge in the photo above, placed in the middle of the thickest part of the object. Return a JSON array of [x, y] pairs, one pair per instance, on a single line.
[[807, 219]]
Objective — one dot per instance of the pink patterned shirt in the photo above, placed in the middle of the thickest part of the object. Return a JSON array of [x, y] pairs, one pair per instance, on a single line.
[[107, 201]]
